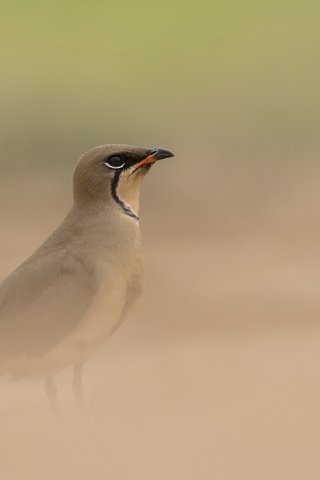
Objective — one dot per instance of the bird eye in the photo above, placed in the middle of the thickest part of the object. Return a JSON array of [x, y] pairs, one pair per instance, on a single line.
[[115, 162]]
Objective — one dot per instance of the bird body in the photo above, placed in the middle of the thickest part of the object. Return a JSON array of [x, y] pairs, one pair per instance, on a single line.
[[84, 278], [64, 301]]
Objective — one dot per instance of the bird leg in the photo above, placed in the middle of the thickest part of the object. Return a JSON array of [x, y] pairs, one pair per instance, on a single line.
[[77, 386], [51, 391]]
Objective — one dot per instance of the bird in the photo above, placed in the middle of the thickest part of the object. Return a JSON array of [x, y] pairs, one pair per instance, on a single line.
[[62, 303]]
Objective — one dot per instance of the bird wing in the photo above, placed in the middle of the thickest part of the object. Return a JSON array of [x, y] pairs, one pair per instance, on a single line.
[[44, 300]]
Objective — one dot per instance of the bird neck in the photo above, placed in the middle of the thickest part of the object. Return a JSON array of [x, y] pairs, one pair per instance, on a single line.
[[126, 194], [123, 195], [92, 193]]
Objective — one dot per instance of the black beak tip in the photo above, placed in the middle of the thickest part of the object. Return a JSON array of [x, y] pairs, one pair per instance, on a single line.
[[161, 153]]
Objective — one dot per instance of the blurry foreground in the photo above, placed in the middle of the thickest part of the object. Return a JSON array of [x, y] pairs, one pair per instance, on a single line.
[[216, 372]]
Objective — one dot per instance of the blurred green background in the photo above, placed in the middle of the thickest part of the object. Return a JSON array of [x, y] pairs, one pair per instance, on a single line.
[[232, 81], [231, 87], [215, 374]]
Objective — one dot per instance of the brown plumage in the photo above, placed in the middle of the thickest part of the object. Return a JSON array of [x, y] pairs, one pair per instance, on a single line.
[[75, 290]]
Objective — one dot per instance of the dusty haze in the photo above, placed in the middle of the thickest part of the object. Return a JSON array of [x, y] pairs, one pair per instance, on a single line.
[[215, 374]]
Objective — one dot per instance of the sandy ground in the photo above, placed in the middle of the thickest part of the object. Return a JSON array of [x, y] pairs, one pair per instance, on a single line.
[[216, 373]]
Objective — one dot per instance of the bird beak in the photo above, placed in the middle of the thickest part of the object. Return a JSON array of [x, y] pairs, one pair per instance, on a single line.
[[154, 156]]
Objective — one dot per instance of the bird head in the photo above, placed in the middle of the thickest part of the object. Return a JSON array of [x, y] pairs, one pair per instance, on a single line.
[[114, 173]]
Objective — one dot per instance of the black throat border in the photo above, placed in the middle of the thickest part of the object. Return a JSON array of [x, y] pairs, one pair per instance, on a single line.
[[124, 208]]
